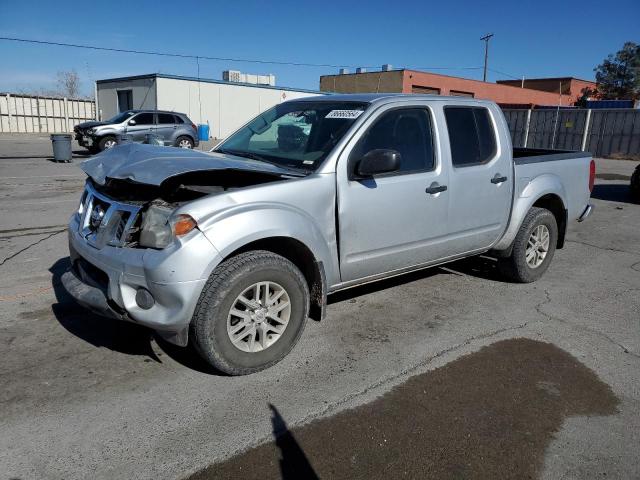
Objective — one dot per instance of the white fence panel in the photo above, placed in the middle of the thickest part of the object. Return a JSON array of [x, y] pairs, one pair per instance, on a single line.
[[35, 114]]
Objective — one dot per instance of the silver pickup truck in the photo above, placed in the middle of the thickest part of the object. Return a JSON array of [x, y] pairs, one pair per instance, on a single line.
[[234, 249]]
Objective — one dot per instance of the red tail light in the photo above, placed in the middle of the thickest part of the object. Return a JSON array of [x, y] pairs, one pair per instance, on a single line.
[[193, 125], [592, 175]]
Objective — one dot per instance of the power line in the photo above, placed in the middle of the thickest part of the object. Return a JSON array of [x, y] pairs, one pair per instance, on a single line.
[[503, 73], [205, 57]]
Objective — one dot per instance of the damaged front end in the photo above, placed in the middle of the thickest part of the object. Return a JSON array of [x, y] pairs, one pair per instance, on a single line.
[[132, 203], [136, 255], [123, 213]]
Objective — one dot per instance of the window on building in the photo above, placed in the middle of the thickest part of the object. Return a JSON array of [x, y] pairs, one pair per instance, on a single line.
[[425, 90], [406, 130], [471, 135], [144, 119], [166, 118], [125, 100], [459, 93]]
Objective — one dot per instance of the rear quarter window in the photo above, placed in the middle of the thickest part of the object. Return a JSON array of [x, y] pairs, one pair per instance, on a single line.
[[471, 135]]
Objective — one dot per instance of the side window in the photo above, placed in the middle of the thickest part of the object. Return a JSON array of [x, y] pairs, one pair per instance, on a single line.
[[165, 118], [471, 135], [178, 119], [406, 130], [144, 119]]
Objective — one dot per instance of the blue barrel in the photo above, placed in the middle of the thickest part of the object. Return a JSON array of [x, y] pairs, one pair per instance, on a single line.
[[203, 132]]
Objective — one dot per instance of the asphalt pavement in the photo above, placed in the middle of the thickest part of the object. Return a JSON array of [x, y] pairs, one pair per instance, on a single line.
[[87, 397]]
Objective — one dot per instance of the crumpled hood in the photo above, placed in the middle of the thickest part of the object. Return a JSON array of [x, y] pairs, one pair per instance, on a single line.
[[92, 123], [151, 165]]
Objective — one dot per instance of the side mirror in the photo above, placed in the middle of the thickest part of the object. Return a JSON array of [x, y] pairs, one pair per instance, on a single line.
[[378, 161], [132, 122]]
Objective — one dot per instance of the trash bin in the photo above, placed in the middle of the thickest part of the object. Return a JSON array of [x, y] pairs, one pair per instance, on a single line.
[[203, 132], [61, 143]]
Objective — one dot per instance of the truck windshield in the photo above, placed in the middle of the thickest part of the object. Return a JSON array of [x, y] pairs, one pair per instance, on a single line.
[[297, 134]]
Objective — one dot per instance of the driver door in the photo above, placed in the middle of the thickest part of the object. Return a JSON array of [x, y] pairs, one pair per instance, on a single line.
[[144, 123], [391, 222]]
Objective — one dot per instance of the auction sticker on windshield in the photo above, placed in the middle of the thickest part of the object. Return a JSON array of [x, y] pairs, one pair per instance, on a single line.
[[351, 114]]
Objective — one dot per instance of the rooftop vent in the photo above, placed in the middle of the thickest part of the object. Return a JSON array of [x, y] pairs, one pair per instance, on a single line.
[[361, 70], [387, 67], [239, 77], [344, 71]]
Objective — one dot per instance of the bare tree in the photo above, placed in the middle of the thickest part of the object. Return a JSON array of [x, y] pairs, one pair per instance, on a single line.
[[68, 84]]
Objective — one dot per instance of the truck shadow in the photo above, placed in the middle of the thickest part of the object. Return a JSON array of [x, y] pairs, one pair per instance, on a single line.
[[119, 336]]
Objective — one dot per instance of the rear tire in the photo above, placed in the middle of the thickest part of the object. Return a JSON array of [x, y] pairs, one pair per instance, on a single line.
[[235, 330], [533, 247], [184, 142]]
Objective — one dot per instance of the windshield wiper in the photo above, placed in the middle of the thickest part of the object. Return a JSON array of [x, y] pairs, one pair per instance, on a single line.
[[260, 158]]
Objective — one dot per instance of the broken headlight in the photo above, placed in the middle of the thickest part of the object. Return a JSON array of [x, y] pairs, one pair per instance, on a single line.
[[159, 228]]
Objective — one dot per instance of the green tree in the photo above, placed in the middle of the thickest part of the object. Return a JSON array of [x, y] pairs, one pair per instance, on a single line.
[[618, 77]]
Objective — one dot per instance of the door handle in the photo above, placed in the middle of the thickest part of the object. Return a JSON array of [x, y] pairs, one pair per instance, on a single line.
[[435, 188], [498, 179]]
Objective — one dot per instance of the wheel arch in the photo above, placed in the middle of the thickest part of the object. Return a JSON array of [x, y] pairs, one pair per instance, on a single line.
[[190, 137], [556, 206], [302, 257], [545, 191]]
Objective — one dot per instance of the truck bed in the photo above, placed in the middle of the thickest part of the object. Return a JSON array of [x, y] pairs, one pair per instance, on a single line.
[[523, 156], [555, 173]]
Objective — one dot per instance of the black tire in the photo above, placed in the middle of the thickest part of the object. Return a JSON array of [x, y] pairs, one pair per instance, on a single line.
[[93, 149], [208, 333], [515, 266], [184, 138], [634, 186], [102, 144]]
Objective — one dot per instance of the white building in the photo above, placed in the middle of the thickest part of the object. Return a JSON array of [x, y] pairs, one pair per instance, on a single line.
[[223, 105]]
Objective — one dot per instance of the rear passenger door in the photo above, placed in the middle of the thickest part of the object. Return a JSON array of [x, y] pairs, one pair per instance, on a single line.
[[481, 177], [166, 127]]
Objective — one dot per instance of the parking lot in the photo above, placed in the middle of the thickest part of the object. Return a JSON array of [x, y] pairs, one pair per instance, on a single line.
[[486, 377]]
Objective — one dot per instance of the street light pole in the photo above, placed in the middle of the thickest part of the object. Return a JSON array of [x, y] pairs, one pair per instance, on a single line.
[[486, 39]]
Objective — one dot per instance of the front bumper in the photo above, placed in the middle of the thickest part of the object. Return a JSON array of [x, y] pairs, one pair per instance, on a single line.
[[84, 140], [106, 280]]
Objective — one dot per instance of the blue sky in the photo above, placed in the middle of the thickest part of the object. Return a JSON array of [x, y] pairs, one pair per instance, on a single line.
[[534, 39]]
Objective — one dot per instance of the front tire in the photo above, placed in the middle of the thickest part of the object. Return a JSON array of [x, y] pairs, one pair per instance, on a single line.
[[533, 247], [107, 142], [251, 313]]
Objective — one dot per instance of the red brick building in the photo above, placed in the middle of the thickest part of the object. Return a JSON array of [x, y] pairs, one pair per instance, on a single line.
[[413, 81], [573, 87]]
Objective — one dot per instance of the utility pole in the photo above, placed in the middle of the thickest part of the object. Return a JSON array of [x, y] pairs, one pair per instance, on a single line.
[[486, 39]]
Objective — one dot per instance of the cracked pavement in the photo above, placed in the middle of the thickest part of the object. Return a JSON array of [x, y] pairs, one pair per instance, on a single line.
[[88, 397]]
